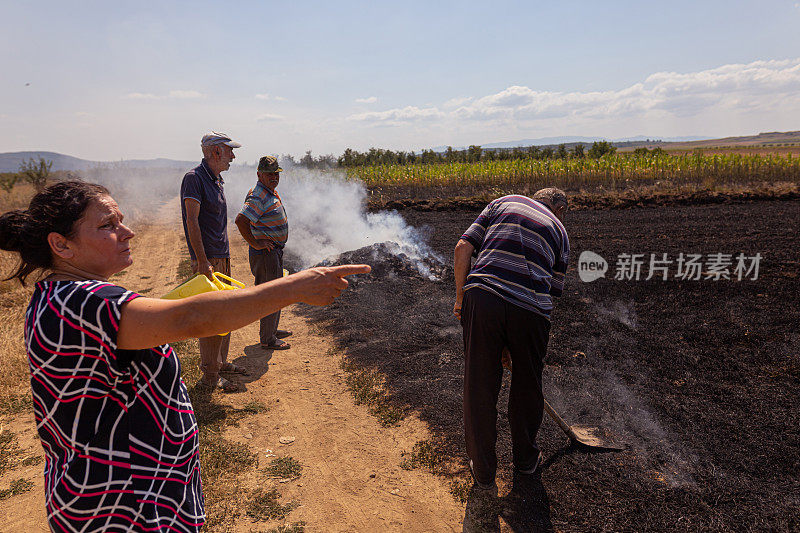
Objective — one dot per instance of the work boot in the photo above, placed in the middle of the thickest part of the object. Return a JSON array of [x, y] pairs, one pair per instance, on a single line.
[[532, 470]]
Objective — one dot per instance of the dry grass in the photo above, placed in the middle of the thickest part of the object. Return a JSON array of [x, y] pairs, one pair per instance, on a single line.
[[14, 386], [424, 454], [264, 505], [284, 468], [368, 387], [296, 527], [8, 449], [18, 486], [19, 197], [459, 489]]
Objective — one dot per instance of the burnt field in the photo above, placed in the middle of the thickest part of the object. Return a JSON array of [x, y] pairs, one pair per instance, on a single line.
[[700, 378]]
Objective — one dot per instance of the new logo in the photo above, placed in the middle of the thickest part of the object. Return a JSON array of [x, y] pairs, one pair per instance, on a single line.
[[591, 266]]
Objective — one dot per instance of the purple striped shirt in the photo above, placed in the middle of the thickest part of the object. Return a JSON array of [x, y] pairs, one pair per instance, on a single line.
[[522, 252]]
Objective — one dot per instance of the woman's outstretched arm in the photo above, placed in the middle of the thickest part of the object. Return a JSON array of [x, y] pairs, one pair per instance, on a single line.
[[148, 322]]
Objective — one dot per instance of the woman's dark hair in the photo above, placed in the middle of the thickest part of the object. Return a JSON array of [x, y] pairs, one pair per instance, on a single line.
[[55, 209]]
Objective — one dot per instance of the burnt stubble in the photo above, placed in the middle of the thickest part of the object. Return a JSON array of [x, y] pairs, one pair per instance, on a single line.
[[700, 378]]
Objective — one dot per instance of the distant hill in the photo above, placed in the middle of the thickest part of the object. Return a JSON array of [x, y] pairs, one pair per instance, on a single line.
[[773, 138], [573, 139], [10, 162]]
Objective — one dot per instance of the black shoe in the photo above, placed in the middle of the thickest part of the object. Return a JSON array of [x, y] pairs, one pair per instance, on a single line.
[[282, 333], [534, 468], [483, 486]]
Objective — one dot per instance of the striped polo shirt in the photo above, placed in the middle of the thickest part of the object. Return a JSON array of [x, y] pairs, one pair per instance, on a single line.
[[522, 251], [264, 209]]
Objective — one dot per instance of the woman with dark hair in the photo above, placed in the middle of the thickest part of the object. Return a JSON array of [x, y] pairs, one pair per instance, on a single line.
[[113, 414]]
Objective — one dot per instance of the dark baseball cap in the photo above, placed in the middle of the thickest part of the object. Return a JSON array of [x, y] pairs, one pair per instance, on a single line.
[[269, 163], [214, 138]]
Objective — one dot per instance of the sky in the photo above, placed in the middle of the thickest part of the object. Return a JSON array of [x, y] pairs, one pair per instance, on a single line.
[[113, 80]]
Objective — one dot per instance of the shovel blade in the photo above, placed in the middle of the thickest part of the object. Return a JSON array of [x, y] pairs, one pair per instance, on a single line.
[[593, 437]]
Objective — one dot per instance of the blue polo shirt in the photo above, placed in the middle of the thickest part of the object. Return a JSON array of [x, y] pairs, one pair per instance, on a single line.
[[201, 185]]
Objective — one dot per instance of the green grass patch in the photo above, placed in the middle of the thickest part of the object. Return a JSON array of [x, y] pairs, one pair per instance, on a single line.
[[32, 460], [460, 490], [368, 388], [9, 450], [425, 454], [284, 467], [255, 407], [14, 404], [185, 269], [18, 486], [263, 505], [220, 457]]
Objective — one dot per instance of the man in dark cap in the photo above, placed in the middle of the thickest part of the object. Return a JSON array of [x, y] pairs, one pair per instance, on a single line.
[[262, 222], [205, 224]]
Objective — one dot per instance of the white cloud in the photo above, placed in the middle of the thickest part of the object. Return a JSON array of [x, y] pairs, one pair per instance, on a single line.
[[396, 116], [368, 100], [186, 94], [457, 102], [177, 94], [760, 85], [269, 117], [141, 96], [267, 96]]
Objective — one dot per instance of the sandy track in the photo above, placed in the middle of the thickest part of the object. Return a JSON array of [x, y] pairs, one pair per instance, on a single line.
[[351, 478]]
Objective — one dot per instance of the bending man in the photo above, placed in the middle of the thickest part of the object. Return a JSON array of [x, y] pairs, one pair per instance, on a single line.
[[504, 301]]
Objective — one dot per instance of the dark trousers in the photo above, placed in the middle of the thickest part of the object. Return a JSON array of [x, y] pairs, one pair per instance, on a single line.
[[214, 349], [490, 323], [267, 265]]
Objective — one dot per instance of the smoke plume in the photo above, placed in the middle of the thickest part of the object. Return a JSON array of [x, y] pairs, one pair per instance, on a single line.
[[327, 216], [326, 212]]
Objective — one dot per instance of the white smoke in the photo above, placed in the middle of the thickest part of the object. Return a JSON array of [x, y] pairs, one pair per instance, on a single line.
[[145, 195], [327, 215], [596, 396]]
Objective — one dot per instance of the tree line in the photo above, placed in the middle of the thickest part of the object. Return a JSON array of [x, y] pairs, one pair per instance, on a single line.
[[472, 154], [31, 171]]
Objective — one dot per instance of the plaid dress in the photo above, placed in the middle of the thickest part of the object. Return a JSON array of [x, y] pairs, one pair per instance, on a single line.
[[117, 426]]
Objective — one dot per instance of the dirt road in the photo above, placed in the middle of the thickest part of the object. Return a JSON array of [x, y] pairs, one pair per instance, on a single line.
[[351, 480]]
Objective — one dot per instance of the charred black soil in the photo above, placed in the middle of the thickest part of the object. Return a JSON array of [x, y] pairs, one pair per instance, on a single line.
[[453, 198], [700, 378]]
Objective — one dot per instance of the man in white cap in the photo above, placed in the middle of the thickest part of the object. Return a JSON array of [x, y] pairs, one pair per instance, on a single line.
[[205, 223]]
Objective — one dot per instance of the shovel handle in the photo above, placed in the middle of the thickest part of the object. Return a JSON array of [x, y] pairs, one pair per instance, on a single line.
[[558, 420]]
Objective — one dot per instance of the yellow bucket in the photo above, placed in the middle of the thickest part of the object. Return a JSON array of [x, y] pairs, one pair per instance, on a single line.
[[200, 284]]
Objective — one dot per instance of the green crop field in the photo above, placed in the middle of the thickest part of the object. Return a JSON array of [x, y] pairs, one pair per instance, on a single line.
[[610, 171]]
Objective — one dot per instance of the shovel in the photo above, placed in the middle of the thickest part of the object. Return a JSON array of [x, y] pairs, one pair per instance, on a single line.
[[587, 436]]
